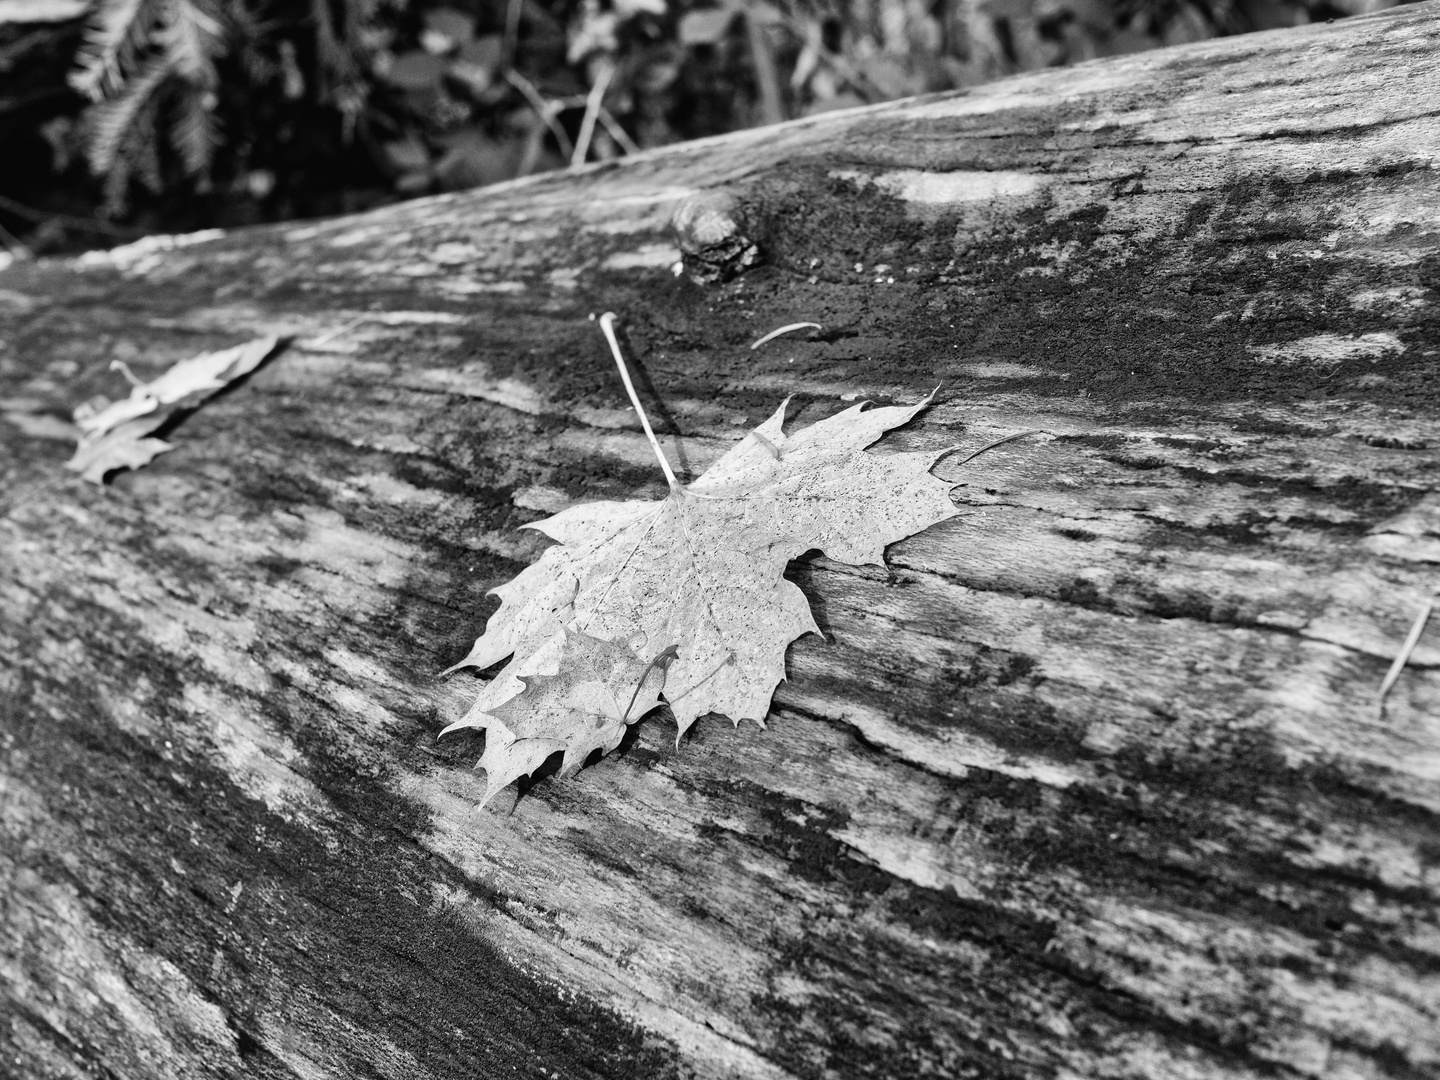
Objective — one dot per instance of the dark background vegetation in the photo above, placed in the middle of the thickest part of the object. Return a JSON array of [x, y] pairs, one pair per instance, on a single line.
[[122, 117]]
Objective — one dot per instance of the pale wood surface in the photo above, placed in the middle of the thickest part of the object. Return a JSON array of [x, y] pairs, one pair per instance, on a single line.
[[1089, 782]]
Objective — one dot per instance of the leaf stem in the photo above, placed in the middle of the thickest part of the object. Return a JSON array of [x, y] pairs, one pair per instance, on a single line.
[[607, 327], [124, 369]]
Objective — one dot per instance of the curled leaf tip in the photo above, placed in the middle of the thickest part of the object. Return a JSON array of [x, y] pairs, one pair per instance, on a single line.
[[458, 725]]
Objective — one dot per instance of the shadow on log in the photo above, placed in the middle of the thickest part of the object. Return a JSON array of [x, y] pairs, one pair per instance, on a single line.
[[1089, 782]]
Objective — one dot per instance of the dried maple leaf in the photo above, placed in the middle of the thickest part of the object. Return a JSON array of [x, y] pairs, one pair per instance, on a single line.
[[600, 688], [703, 569], [115, 436], [124, 447]]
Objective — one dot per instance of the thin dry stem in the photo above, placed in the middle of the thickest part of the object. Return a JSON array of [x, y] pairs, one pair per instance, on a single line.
[[592, 112], [512, 34], [1403, 656], [989, 446], [790, 329], [15, 246], [338, 332], [618, 133], [767, 75], [607, 327], [544, 109]]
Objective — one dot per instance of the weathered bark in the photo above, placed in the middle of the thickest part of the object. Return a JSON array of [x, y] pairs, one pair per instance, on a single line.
[[1089, 782]]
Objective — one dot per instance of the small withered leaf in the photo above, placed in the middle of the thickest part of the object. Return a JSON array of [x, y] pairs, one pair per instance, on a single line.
[[114, 436]]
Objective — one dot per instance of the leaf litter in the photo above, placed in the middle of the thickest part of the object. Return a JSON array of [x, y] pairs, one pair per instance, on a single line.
[[117, 435], [695, 580]]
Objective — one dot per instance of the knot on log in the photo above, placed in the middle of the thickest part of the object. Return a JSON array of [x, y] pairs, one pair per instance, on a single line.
[[709, 227]]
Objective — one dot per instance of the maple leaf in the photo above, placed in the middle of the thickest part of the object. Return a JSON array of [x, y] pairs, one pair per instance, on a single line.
[[704, 567], [122, 447], [601, 687], [115, 436], [702, 570]]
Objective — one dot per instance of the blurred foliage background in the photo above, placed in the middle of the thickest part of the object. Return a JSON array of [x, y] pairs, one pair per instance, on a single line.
[[121, 117]]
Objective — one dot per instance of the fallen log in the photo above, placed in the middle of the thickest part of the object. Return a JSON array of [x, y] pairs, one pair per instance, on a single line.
[[1090, 781]]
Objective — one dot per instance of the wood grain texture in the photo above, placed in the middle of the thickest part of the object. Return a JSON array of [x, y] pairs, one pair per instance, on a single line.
[[1088, 782]]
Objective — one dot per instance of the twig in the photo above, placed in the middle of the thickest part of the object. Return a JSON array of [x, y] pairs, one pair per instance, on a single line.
[[618, 133], [21, 44], [1403, 657], [544, 109], [790, 329], [772, 105], [607, 327], [15, 246], [534, 141], [27, 101], [333, 334], [19, 209], [592, 110], [837, 63], [512, 35], [990, 446]]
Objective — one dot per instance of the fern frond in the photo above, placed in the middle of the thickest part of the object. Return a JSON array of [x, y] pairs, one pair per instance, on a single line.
[[191, 37], [111, 121], [116, 34], [138, 154], [194, 131]]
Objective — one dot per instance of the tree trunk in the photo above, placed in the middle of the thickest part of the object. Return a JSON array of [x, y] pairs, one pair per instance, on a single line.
[[1089, 781]]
